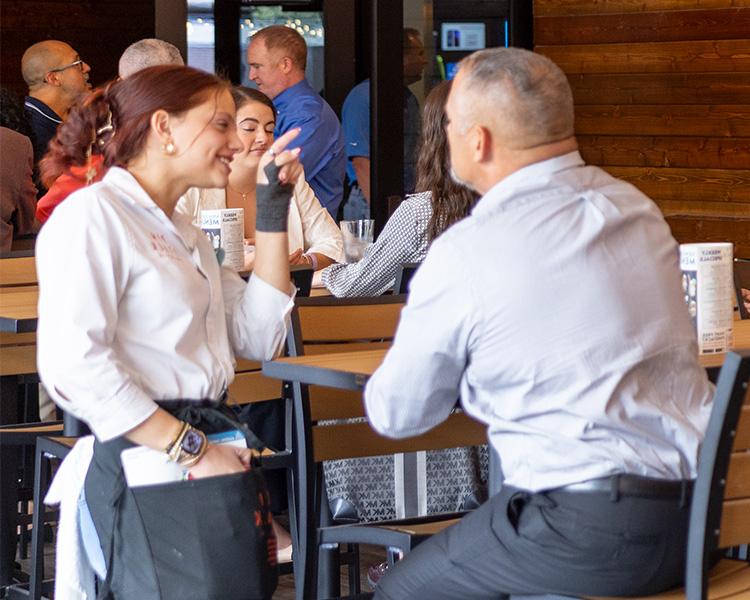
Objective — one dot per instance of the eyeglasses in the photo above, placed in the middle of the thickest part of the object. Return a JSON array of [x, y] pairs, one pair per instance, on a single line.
[[79, 62]]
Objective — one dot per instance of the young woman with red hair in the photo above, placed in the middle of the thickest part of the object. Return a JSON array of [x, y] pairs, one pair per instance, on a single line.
[[139, 326]]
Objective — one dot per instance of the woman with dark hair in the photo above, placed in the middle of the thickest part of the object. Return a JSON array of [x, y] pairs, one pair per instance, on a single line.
[[314, 237], [139, 326], [419, 219]]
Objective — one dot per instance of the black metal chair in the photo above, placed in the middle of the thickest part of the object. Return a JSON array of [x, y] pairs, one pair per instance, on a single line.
[[720, 510], [322, 325], [403, 275]]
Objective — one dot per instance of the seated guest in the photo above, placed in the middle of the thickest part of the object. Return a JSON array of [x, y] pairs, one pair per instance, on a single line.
[[555, 312], [57, 79], [314, 238], [147, 52], [144, 53], [418, 220], [139, 328], [17, 190]]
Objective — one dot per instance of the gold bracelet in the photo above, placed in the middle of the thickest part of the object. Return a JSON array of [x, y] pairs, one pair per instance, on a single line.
[[177, 438]]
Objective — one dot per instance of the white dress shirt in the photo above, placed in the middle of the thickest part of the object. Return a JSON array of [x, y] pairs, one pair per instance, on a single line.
[[310, 226], [133, 307], [555, 310]]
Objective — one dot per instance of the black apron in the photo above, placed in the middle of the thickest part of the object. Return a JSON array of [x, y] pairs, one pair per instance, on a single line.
[[202, 539]]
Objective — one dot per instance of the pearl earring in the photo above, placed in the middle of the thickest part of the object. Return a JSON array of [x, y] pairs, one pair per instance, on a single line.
[[168, 148]]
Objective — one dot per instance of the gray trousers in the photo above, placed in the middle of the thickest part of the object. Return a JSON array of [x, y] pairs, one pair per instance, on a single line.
[[519, 543]]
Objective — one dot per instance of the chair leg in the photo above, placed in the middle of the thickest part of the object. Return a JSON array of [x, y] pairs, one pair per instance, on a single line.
[[41, 483], [355, 584], [329, 567]]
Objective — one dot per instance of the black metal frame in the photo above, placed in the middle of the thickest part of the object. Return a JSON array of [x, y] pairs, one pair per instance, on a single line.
[[403, 276], [713, 463]]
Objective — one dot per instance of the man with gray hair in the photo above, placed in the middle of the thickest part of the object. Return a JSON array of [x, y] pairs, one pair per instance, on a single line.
[[555, 312], [148, 52]]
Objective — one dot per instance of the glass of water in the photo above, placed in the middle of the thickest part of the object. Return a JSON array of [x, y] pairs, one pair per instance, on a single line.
[[357, 235]]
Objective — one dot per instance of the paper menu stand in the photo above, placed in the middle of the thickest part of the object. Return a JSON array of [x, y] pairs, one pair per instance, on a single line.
[[225, 229], [708, 288]]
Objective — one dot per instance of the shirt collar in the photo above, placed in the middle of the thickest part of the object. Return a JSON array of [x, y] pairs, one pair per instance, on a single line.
[[40, 107], [530, 176], [131, 191], [286, 97]]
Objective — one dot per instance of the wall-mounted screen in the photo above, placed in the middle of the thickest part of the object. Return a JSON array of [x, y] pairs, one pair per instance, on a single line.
[[464, 37]]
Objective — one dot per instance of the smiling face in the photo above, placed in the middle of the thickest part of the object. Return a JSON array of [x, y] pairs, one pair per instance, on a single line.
[[266, 68], [206, 140], [255, 123]]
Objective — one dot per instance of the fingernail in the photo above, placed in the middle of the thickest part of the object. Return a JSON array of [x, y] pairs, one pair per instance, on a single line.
[[296, 151]]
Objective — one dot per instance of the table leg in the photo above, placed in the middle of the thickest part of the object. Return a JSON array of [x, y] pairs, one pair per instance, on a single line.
[[8, 509], [8, 480]]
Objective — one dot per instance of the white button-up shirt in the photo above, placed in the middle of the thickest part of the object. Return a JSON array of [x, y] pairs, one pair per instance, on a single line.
[[133, 307], [556, 311]]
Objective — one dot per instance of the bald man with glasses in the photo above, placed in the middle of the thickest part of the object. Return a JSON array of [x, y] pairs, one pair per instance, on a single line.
[[57, 78]]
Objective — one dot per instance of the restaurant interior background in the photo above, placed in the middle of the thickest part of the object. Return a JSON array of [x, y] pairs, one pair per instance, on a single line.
[[662, 87]]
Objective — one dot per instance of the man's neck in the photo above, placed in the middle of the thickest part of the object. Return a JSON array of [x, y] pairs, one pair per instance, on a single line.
[[52, 100], [508, 161]]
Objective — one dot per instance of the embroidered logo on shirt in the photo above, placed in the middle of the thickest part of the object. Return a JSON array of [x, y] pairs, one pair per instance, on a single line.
[[163, 248]]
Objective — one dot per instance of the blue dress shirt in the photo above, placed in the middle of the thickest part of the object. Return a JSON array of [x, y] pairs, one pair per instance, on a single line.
[[321, 139]]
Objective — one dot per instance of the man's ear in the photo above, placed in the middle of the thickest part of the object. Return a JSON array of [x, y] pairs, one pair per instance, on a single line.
[[481, 139], [161, 125], [286, 64], [52, 79]]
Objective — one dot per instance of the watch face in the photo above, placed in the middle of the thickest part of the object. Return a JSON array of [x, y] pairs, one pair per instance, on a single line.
[[192, 442]]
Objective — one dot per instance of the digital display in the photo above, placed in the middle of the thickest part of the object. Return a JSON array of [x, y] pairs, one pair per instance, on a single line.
[[463, 37]]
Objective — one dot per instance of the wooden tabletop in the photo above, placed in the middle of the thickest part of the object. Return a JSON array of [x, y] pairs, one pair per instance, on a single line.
[[344, 370], [18, 310], [350, 370], [17, 271], [741, 340]]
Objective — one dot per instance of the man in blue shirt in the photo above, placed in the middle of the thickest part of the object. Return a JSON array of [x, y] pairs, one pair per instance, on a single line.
[[57, 79], [277, 57], [356, 119]]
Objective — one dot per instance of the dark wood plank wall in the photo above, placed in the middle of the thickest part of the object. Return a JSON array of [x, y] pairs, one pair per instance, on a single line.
[[99, 30], [662, 93]]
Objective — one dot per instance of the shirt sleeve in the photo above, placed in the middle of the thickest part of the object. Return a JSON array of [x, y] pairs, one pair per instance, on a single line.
[[81, 259], [418, 383], [315, 141], [355, 118], [403, 239], [319, 230], [257, 315]]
